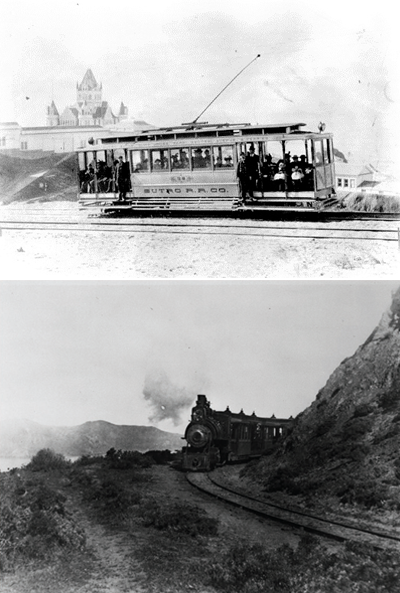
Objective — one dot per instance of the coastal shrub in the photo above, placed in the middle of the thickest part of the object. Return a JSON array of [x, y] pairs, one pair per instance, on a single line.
[[389, 400], [362, 410], [283, 479], [324, 426], [111, 500], [118, 459], [311, 568], [161, 457], [86, 460], [357, 427], [177, 517], [34, 522], [47, 460], [367, 493]]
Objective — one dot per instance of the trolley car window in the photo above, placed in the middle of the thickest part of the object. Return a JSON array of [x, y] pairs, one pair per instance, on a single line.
[[179, 158], [89, 158], [273, 148], [140, 160], [318, 152], [119, 152], [159, 160], [201, 158], [296, 148], [309, 151], [327, 156], [81, 160], [222, 156]]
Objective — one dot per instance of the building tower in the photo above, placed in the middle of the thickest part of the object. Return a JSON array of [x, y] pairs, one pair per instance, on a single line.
[[123, 112], [89, 93], [53, 117]]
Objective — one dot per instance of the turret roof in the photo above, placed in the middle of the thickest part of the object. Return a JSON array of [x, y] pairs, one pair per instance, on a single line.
[[53, 109], [88, 80]]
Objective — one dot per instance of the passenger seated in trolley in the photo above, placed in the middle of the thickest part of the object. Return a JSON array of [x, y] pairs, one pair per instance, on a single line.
[[104, 177], [218, 162], [228, 161], [87, 185], [297, 177], [198, 160], [184, 162], [280, 177]]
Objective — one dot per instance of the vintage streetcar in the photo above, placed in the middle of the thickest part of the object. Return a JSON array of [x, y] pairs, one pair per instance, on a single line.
[[201, 168]]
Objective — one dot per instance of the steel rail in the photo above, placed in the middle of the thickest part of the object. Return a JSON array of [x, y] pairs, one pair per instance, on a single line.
[[75, 228], [320, 526], [201, 225]]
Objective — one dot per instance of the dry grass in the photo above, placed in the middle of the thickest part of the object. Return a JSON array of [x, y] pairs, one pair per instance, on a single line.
[[363, 202]]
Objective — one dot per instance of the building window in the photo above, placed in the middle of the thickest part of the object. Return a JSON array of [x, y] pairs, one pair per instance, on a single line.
[[24, 145], [346, 183], [352, 183], [339, 182]]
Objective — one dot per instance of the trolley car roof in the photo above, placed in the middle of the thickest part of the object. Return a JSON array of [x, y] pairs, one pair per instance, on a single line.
[[200, 130]]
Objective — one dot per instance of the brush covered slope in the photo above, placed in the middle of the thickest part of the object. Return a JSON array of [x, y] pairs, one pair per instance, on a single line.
[[343, 451]]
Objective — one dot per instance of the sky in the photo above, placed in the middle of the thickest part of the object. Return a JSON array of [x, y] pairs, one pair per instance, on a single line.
[[334, 62], [138, 353]]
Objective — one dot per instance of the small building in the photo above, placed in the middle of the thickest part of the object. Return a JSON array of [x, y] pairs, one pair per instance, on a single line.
[[351, 176], [10, 135]]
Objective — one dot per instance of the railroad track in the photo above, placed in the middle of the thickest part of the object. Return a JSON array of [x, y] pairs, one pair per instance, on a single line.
[[206, 228], [336, 530]]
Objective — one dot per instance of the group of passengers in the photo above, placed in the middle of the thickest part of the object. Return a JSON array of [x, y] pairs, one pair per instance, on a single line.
[[107, 178], [288, 174]]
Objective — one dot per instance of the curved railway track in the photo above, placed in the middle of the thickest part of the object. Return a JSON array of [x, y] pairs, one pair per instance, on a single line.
[[295, 518], [206, 228]]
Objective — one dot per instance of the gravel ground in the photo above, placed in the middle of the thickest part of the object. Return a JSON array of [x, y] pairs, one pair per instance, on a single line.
[[189, 252]]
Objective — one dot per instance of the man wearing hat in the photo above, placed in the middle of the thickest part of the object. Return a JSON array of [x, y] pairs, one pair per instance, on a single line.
[[253, 169], [122, 178], [242, 175]]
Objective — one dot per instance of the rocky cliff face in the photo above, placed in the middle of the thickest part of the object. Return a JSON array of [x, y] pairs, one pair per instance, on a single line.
[[347, 442]]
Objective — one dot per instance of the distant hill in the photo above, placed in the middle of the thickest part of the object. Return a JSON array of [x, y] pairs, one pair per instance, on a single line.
[[23, 438], [346, 444]]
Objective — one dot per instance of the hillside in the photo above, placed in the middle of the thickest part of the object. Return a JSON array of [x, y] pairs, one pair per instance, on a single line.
[[38, 175], [23, 438], [345, 446]]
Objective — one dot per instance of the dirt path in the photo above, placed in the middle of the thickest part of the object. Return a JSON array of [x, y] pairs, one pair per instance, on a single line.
[[112, 561]]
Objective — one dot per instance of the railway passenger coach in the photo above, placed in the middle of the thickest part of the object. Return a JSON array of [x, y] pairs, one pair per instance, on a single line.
[[197, 167], [215, 438]]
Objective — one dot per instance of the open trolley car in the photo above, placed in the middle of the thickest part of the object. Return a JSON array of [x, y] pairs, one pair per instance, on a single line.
[[193, 168]]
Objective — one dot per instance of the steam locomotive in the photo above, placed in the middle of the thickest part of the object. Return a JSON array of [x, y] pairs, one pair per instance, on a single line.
[[214, 438]]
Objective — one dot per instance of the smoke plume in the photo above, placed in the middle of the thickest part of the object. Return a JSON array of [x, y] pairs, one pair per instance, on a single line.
[[167, 400]]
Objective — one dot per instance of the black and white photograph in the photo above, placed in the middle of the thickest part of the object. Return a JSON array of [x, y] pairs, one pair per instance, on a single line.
[[200, 436], [199, 297], [199, 141]]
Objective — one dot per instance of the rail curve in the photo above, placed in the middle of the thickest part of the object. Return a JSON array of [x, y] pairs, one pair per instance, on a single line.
[[324, 527]]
